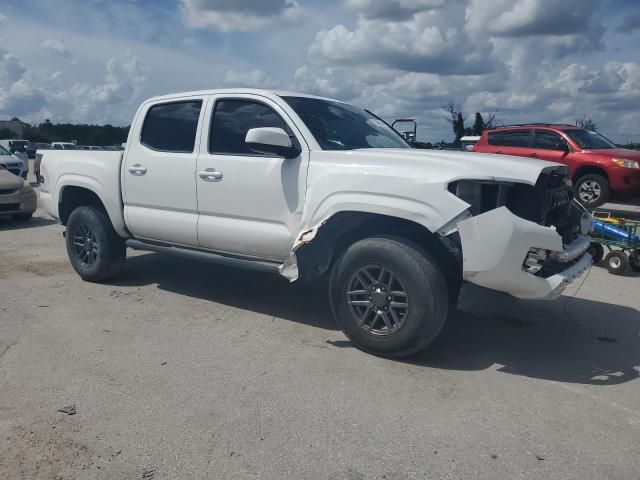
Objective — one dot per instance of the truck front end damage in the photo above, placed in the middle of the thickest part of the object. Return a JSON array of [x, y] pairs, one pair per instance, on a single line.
[[525, 240]]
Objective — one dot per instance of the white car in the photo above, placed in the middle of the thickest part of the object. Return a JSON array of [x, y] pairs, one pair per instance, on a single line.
[[305, 186], [63, 146], [17, 148], [12, 163]]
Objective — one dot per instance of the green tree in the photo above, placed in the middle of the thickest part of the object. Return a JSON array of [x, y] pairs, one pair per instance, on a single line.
[[478, 125]]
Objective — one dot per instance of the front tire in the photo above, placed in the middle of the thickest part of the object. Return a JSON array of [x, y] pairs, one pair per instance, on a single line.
[[592, 190], [634, 261], [596, 251], [95, 250], [388, 296]]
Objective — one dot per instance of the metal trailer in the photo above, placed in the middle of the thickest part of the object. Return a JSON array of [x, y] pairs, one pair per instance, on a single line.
[[621, 238]]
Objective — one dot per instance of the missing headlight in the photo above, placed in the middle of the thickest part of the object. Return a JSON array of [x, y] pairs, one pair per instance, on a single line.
[[482, 196]]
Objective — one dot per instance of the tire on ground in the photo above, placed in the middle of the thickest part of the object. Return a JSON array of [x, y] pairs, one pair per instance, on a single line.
[[617, 262], [634, 261], [111, 248], [420, 276], [596, 251]]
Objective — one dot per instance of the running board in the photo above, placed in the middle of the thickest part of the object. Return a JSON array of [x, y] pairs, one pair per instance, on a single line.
[[202, 256]]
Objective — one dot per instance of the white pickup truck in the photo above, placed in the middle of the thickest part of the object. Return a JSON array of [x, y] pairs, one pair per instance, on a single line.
[[306, 186]]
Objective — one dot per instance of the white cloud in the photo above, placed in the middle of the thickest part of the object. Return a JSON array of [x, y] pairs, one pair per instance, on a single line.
[[423, 44], [238, 15], [253, 79], [393, 10], [56, 47]]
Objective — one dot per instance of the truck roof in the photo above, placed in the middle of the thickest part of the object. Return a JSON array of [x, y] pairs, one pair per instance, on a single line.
[[253, 91]]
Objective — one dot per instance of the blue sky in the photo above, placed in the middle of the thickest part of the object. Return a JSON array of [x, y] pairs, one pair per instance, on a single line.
[[528, 60]]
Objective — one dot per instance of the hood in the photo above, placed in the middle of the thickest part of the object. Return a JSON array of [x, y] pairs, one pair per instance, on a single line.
[[624, 153], [8, 181], [453, 165]]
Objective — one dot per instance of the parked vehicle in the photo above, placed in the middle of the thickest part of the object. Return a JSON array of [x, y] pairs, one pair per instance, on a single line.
[[38, 159], [12, 163], [467, 142], [621, 238], [63, 146], [596, 165], [17, 197], [18, 148], [306, 186]]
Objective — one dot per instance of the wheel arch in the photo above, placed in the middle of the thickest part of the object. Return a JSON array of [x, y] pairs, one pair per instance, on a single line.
[[590, 169], [315, 257], [72, 197]]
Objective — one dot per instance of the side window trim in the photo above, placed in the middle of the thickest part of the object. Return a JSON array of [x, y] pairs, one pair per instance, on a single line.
[[200, 100], [214, 107]]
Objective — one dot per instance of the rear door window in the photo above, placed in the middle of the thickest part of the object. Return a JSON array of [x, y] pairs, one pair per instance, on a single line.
[[172, 127], [519, 138]]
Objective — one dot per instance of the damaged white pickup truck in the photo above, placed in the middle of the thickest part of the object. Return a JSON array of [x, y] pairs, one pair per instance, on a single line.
[[307, 186]]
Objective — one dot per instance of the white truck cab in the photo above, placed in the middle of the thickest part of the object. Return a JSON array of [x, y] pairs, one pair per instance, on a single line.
[[306, 186]]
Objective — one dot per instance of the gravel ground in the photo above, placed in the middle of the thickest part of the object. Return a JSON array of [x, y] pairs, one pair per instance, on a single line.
[[187, 370]]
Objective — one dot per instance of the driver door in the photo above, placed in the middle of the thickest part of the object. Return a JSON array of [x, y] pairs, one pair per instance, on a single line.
[[249, 203]]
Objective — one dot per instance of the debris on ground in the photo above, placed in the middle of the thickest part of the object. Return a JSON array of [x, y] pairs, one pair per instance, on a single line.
[[69, 410]]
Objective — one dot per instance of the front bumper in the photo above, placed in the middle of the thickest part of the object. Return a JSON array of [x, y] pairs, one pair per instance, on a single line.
[[26, 202], [625, 180], [495, 245]]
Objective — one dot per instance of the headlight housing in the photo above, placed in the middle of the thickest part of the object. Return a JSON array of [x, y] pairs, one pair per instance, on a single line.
[[624, 163], [26, 187]]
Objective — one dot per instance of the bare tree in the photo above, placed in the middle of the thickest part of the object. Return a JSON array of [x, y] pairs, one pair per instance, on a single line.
[[586, 123], [491, 120], [456, 118]]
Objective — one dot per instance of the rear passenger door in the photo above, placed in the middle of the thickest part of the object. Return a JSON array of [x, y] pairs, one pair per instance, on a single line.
[[159, 171], [511, 142], [548, 145]]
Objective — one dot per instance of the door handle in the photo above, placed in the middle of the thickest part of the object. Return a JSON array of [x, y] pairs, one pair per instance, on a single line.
[[137, 170], [533, 155], [499, 152], [210, 175]]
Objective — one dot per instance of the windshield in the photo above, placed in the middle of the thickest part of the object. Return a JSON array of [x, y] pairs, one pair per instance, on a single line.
[[4, 151], [588, 139], [338, 126]]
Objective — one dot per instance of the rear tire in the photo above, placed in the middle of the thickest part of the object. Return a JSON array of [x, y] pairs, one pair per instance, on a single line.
[[95, 250], [617, 262], [592, 190], [634, 261], [388, 296], [597, 252]]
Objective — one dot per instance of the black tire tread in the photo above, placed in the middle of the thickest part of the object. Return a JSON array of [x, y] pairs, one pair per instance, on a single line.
[[428, 266], [113, 254]]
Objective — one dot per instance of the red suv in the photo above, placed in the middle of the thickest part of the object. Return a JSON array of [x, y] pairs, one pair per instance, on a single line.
[[596, 165]]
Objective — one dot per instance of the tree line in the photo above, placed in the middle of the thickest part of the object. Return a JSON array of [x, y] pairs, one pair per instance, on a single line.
[[84, 134]]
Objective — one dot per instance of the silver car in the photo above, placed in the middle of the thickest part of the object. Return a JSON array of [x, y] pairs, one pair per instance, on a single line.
[[17, 197]]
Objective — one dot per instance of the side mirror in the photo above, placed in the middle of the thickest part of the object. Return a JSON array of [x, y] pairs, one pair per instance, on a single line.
[[271, 141]]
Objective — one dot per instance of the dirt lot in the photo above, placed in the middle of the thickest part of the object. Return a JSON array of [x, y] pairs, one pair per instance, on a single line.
[[188, 370]]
